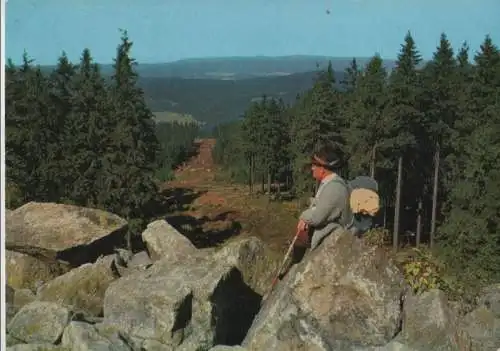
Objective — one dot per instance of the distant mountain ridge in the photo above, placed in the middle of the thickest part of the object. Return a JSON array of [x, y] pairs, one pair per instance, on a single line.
[[240, 67], [219, 89]]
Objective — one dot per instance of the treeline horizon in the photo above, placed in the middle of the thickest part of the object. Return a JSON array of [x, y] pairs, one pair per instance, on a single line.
[[74, 137], [429, 134]]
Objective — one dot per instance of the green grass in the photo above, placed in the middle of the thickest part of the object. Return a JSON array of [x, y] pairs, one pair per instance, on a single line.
[[168, 116]]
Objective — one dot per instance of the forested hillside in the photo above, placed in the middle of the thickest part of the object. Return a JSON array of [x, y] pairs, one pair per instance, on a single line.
[[74, 137], [215, 90], [430, 135], [236, 67], [214, 101]]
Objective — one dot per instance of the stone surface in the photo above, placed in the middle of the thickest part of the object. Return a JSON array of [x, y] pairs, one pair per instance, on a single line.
[[36, 347], [39, 322], [194, 304], [24, 271], [79, 336], [74, 234], [253, 259], [342, 295], [428, 322], [82, 288], [163, 240]]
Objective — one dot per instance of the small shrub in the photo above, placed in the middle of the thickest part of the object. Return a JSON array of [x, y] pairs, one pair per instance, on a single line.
[[13, 196], [422, 270], [377, 237]]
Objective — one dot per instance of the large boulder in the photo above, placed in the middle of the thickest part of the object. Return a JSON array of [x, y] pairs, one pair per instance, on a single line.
[[71, 233], [79, 336], [344, 295], [480, 328], [254, 260], [81, 288], [25, 271], [429, 323], [39, 322], [193, 304], [164, 241], [188, 299]]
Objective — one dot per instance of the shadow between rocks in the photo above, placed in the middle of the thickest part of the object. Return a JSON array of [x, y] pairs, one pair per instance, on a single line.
[[234, 307], [206, 232]]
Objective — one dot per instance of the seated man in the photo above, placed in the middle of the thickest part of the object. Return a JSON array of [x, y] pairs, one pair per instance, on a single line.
[[330, 209]]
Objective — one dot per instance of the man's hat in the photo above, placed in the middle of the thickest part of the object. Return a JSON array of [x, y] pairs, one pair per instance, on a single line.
[[315, 160]]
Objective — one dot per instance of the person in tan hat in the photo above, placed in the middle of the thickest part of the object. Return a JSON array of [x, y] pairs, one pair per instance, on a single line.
[[330, 208]]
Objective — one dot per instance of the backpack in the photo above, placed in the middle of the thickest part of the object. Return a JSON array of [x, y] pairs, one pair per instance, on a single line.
[[364, 202]]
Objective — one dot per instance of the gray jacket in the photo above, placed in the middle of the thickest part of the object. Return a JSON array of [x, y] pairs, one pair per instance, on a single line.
[[329, 210]]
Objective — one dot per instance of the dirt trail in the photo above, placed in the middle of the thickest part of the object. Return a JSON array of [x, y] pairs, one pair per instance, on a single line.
[[209, 209]]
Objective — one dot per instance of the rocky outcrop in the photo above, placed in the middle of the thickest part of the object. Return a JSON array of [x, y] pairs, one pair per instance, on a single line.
[[343, 295], [160, 239], [39, 322], [429, 323], [480, 329], [202, 301], [79, 336], [25, 271], [69, 233], [83, 288], [257, 264]]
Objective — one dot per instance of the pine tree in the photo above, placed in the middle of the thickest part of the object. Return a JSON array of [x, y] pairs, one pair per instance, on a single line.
[[130, 163], [86, 133], [351, 76], [61, 95], [253, 122], [366, 117], [16, 119], [317, 121], [406, 117], [440, 115]]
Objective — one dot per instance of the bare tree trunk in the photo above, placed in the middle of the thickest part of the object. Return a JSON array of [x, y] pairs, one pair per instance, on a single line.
[[269, 182], [263, 183], [435, 195], [373, 161], [385, 216], [278, 181], [252, 173], [397, 207], [419, 222]]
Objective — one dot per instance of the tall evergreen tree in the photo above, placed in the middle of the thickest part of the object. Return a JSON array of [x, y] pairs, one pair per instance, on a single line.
[[440, 115], [61, 94], [86, 134], [131, 160], [404, 112], [317, 121]]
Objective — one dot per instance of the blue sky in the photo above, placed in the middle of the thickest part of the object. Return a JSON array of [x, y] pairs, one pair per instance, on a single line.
[[168, 30]]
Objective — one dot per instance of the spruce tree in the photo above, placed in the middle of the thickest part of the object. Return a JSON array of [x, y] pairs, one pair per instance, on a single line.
[[130, 163], [440, 116], [404, 113], [61, 95], [86, 134]]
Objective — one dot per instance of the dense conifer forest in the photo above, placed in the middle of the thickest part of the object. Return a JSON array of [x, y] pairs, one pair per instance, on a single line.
[[429, 133], [74, 137]]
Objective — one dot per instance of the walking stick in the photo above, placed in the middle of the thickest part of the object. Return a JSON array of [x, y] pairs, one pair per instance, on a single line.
[[287, 255]]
